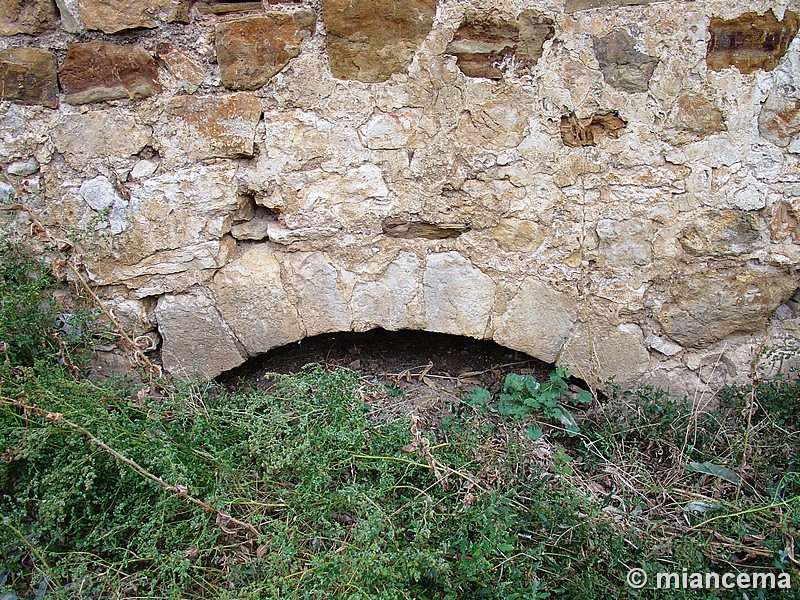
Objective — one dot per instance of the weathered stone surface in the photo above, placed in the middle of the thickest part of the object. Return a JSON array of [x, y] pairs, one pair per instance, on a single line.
[[518, 235], [708, 307], [99, 134], [111, 16], [537, 320], [587, 132], [99, 193], [250, 287], [489, 44], [458, 297], [23, 168], [399, 227], [188, 73], [370, 40], [750, 41], [576, 5], [622, 65], [70, 11], [252, 50], [499, 123], [319, 293], [28, 76], [391, 131], [625, 243], [27, 16], [197, 341], [694, 117], [200, 127], [779, 119], [722, 233], [401, 281], [97, 71], [597, 351]]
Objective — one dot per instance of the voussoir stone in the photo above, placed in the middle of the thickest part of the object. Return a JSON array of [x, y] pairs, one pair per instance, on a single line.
[[28, 76], [111, 16], [250, 287], [370, 40], [196, 339], [201, 127], [710, 306], [97, 71], [537, 320], [27, 16], [251, 50]]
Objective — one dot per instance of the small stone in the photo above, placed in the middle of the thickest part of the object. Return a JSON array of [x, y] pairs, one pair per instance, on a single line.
[[23, 168], [28, 76], [200, 127], [779, 119], [97, 71], [663, 345], [99, 193], [750, 41], [27, 16], [516, 235], [184, 69], [252, 50], [70, 15], [370, 40], [143, 168], [111, 16], [7, 193], [488, 44], [694, 117], [576, 5], [255, 230], [721, 233], [624, 67], [587, 132]]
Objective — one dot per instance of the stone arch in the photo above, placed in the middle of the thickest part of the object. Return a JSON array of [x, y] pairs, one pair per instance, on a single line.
[[265, 299]]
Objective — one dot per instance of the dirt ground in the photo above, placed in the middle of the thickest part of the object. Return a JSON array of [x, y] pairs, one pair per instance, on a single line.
[[425, 369]]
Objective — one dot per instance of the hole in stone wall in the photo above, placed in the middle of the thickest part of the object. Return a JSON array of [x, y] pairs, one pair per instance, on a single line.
[[399, 227], [251, 221], [421, 366], [587, 132]]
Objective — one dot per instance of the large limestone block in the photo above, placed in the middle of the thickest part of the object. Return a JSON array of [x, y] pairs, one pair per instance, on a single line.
[[250, 51], [722, 233], [597, 351], [111, 16], [197, 341], [319, 290], [537, 321], [28, 76], [97, 71], [394, 300], [27, 16], [200, 127], [458, 296], [710, 306], [370, 40], [100, 134], [251, 297]]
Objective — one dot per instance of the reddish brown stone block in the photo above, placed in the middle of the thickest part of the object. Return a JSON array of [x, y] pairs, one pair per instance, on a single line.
[[370, 40], [28, 76], [98, 71], [750, 41], [111, 16], [27, 16], [252, 50]]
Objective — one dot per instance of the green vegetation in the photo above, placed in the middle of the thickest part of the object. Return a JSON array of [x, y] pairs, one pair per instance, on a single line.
[[169, 489]]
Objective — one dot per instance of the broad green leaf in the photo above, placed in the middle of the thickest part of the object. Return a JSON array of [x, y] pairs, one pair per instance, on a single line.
[[710, 468], [534, 433], [480, 396]]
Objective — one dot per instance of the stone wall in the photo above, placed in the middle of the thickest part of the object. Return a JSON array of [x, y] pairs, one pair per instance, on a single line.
[[607, 184]]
